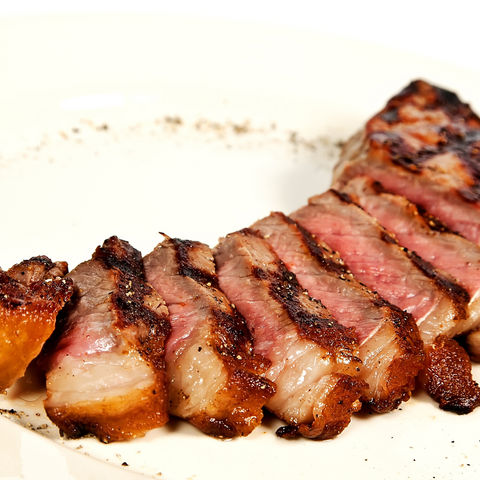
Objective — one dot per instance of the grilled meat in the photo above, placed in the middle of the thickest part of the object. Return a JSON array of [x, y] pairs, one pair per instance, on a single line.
[[426, 235], [425, 145], [105, 368], [31, 295], [390, 345], [373, 255], [314, 360], [447, 376], [213, 375]]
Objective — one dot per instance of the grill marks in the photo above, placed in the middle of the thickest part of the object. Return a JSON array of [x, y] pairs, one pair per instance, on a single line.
[[425, 145], [388, 268], [436, 302], [214, 376], [390, 345], [105, 365], [426, 235], [314, 360], [450, 253], [31, 295]]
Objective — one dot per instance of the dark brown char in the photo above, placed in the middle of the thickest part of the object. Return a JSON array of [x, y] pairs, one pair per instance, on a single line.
[[236, 409], [31, 295], [144, 327], [249, 269]]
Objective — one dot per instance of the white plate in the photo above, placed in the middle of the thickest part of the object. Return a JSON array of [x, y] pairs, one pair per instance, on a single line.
[[131, 125]]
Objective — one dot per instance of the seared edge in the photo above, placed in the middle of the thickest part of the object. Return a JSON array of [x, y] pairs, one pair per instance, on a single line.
[[135, 323], [390, 346], [425, 144], [448, 376], [449, 299], [290, 328], [425, 234], [184, 272], [31, 295]]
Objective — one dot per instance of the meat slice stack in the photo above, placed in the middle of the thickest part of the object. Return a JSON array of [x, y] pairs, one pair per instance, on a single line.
[[425, 145], [451, 253], [426, 235], [390, 346], [213, 375], [105, 365], [31, 295], [435, 301], [314, 360]]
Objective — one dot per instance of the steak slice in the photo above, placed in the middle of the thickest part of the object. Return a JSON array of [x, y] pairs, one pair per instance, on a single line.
[[213, 375], [31, 295], [426, 235], [105, 368], [390, 346], [425, 145], [436, 302], [314, 360]]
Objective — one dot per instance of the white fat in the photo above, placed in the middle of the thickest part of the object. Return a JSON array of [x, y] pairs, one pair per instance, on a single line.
[[196, 375], [440, 320], [94, 378], [297, 378]]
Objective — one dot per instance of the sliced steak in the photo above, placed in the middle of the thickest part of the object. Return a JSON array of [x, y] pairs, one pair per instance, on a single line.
[[213, 375], [31, 295], [390, 346], [314, 359], [400, 276], [105, 368], [425, 145], [426, 235]]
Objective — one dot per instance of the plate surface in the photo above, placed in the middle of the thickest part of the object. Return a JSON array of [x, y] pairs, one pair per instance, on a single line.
[[134, 125]]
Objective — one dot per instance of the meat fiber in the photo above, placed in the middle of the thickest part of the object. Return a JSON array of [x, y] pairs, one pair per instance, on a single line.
[[425, 145], [436, 302], [426, 235], [31, 295], [314, 360], [105, 368], [213, 375], [390, 345]]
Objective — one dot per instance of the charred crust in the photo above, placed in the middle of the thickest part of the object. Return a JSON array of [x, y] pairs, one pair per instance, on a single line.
[[287, 431], [336, 413], [461, 137], [343, 196], [448, 377], [433, 223], [151, 327], [187, 268], [390, 116], [14, 295], [42, 260], [246, 389], [323, 255], [459, 295], [316, 324], [129, 300], [387, 237], [120, 255], [232, 336]]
